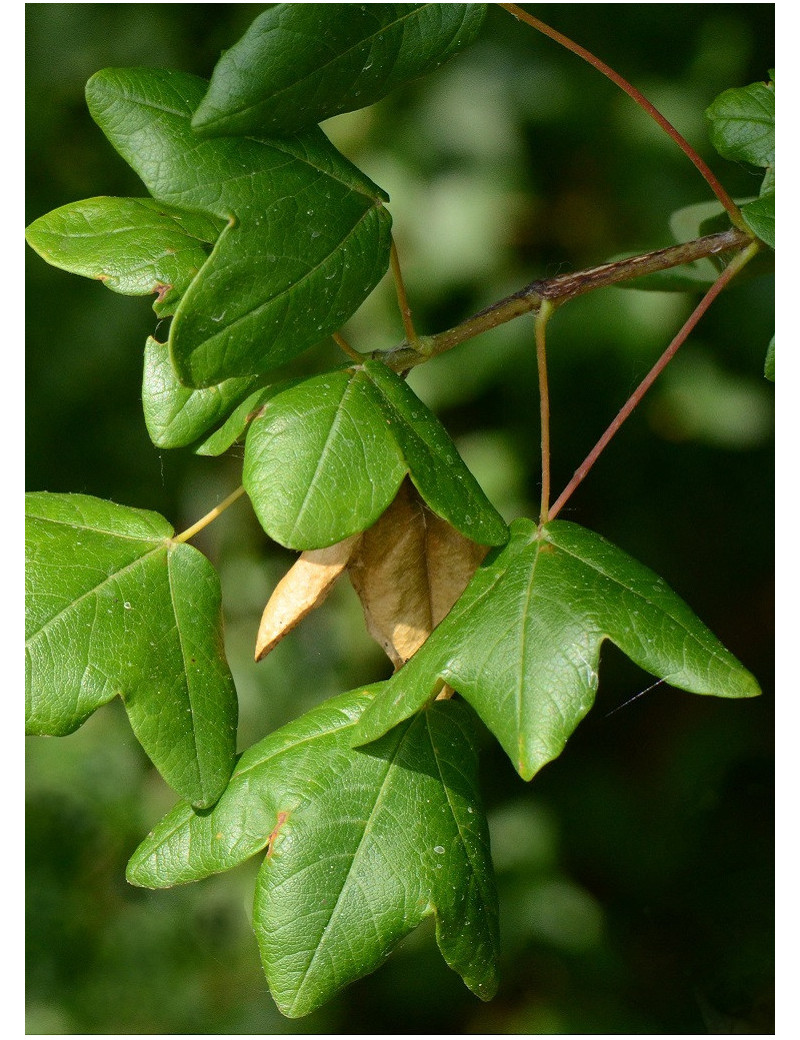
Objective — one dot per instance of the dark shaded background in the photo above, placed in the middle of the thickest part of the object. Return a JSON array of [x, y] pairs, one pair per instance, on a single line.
[[635, 872]]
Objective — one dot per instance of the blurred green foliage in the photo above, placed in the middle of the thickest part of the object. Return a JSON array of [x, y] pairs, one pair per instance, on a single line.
[[636, 871]]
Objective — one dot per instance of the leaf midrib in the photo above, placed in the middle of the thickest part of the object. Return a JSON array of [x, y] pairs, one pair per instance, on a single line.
[[114, 532], [367, 829], [126, 229], [338, 419], [520, 684], [198, 757]]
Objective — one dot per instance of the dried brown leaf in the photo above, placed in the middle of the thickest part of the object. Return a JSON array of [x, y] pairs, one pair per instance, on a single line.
[[303, 588], [408, 570]]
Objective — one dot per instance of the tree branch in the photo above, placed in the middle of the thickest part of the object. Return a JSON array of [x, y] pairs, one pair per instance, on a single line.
[[542, 318], [563, 287]]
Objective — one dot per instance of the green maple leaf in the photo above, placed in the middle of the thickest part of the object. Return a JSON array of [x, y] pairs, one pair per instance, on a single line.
[[115, 608], [522, 644], [327, 457], [361, 846]]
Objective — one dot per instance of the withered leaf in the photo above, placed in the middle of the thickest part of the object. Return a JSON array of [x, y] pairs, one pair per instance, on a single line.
[[301, 590], [408, 569]]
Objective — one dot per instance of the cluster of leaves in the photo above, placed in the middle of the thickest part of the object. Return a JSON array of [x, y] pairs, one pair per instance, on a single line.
[[258, 240]]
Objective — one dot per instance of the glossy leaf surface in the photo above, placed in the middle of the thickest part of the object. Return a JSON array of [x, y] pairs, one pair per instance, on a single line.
[[298, 64], [743, 124], [327, 457], [176, 415], [306, 236], [362, 845], [522, 644], [320, 464], [743, 129], [435, 466], [134, 246], [114, 607], [759, 215]]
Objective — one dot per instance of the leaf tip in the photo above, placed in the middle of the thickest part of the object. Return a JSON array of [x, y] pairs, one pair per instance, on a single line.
[[136, 872], [205, 121], [749, 686]]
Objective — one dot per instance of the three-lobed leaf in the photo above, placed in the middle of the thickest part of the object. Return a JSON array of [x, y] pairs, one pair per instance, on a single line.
[[327, 457], [522, 644], [298, 64], [306, 235], [362, 845], [115, 607], [137, 247]]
